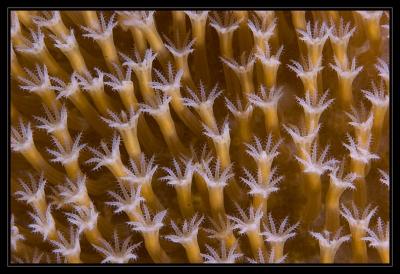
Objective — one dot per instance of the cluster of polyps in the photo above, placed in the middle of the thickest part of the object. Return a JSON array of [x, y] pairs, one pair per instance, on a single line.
[[170, 201]]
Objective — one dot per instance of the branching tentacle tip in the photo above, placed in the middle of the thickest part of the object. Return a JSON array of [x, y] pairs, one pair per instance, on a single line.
[[225, 256], [105, 31], [274, 234], [84, 217], [357, 219], [120, 253], [215, 177], [188, 232], [245, 223], [147, 222]]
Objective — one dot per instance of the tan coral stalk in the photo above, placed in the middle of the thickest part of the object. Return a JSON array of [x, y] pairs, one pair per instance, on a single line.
[[225, 29], [216, 181], [149, 226], [302, 139], [329, 245], [308, 73], [179, 21], [103, 35], [379, 239], [278, 237], [243, 116], [243, 71], [141, 173], [244, 33], [299, 23], [339, 37], [222, 141], [180, 52], [137, 34], [262, 29], [203, 104], [110, 159], [15, 29], [199, 181], [16, 69], [222, 230], [68, 155], [142, 67], [95, 87], [86, 217], [270, 64], [170, 84], [22, 141], [268, 103], [14, 113], [315, 40], [383, 69], [39, 83], [123, 84], [198, 20], [128, 201], [345, 81], [251, 226], [159, 109], [51, 20], [55, 123], [360, 158], [313, 168], [358, 222], [78, 99], [299, 19], [313, 108], [362, 123], [314, 203], [69, 46], [26, 17], [182, 182], [187, 237], [264, 156], [338, 184], [144, 20], [261, 188], [380, 105], [372, 27], [37, 50], [91, 19], [154, 248], [33, 194], [140, 40], [126, 125]]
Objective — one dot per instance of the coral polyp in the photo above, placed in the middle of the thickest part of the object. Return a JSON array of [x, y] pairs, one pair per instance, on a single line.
[[200, 136]]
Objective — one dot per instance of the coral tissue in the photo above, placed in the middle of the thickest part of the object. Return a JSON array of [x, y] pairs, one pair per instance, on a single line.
[[172, 136]]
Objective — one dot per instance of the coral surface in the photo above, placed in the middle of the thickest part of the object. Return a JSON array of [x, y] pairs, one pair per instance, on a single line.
[[172, 136]]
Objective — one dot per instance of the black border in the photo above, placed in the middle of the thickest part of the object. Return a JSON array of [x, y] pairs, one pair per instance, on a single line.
[[394, 49]]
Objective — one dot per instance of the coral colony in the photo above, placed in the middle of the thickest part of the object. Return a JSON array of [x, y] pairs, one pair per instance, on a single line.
[[230, 137]]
